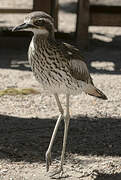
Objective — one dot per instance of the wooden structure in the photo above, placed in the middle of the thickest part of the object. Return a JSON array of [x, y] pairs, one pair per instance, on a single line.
[[89, 12], [49, 6], [96, 14], [82, 23]]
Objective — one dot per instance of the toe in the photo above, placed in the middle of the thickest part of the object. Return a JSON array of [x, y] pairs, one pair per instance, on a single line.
[[58, 174]]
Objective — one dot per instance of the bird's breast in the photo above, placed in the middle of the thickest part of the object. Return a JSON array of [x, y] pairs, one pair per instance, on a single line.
[[50, 70]]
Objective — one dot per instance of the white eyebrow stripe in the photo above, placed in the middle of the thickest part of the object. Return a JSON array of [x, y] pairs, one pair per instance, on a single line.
[[28, 21]]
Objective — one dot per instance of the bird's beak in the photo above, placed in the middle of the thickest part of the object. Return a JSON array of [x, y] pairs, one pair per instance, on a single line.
[[22, 27]]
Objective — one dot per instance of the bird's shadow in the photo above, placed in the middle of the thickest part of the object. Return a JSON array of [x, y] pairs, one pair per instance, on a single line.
[[101, 176], [27, 139]]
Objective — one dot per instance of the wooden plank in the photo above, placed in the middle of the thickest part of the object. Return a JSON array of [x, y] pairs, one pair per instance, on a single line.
[[105, 9], [105, 15], [82, 23], [15, 10], [102, 19]]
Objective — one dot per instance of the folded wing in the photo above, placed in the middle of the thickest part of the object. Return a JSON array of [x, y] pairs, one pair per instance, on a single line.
[[79, 71]]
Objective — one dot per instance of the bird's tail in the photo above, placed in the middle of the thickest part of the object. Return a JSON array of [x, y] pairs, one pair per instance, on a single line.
[[93, 91]]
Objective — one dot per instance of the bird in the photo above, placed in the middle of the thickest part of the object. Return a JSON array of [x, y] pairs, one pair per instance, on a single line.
[[59, 68]]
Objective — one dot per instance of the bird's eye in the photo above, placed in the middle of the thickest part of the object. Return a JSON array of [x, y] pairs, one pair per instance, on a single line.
[[39, 22]]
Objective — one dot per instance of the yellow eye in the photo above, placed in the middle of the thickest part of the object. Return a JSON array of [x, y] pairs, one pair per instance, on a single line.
[[39, 22]]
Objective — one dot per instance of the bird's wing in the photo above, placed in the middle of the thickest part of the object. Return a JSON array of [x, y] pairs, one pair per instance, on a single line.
[[78, 67]]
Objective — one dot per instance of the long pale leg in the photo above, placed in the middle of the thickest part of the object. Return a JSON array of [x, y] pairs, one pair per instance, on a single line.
[[66, 121], [48, 153]]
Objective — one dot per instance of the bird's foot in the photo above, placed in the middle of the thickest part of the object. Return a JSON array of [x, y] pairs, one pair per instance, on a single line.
[[48, 160], [59, 174]]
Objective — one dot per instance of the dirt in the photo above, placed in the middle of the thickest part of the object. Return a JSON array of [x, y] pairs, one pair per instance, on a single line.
[[27, 121]]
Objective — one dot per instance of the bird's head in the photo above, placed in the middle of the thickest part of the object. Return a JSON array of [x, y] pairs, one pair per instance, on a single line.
[[38, 22]]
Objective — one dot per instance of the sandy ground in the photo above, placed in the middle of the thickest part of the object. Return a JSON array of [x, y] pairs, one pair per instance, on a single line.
[[26, 122]]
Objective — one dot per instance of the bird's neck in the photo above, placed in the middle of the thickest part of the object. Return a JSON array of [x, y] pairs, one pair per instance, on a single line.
[[39, 40], [46, 36]]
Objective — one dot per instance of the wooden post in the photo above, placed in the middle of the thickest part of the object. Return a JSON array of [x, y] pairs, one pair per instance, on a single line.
[[49, 6], [54, 11], [42, 5], [82, 23]]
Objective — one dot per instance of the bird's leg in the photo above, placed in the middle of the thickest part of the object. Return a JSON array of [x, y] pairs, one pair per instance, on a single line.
[[66, 121], [48, 153]]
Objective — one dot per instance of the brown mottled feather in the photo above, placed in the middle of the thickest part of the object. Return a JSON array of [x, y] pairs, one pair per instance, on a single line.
[[78, 67]]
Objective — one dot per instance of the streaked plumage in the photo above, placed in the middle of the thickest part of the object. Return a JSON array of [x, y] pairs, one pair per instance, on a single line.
[[59, 67]]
